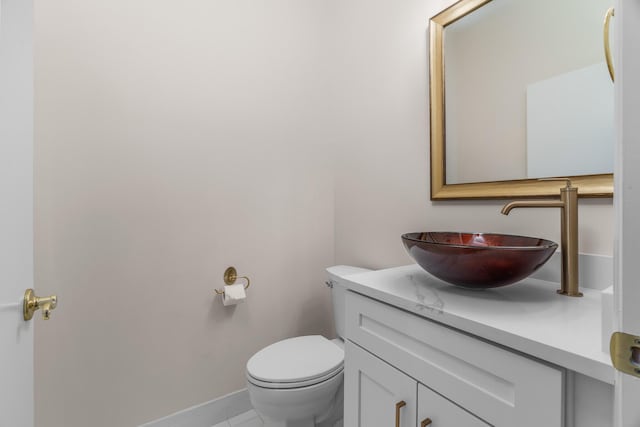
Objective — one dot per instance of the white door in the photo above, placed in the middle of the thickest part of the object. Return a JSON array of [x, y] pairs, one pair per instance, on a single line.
[[16, 211], [375, 393], [627, 197]]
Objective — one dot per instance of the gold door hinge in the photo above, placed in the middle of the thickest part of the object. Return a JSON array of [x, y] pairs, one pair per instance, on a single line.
[[625, 353]]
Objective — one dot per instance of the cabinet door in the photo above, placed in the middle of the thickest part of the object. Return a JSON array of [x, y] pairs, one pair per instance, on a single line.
[[442, 412], [374, 392]]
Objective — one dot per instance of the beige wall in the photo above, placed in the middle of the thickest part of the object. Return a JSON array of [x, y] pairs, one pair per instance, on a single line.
[[174, 139], [382, 182]]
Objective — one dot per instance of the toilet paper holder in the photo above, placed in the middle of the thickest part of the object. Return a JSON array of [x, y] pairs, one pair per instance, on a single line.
[[230, 277]]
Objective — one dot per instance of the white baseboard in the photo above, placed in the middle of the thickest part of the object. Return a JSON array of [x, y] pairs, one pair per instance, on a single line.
[[207, 414]]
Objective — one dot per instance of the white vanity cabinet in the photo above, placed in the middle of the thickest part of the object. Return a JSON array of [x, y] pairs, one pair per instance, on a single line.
[[447, 376], [377, 394]]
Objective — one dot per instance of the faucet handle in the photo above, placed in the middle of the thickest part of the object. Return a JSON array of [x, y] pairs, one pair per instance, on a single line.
[[567, 180], [567, 188]]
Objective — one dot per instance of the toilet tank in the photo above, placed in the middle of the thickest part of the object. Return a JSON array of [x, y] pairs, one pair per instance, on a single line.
[[336, 282]]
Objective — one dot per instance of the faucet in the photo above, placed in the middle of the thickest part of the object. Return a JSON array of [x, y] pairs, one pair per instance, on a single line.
[[568, 204]]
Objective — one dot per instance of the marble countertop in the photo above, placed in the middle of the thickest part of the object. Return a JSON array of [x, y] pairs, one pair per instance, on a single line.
[[528, 317]]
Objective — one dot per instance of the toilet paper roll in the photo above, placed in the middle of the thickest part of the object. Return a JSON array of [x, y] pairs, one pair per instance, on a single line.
[[234, 294]]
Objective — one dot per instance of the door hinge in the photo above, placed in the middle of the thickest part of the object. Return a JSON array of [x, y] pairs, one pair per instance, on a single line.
[[625, 353]]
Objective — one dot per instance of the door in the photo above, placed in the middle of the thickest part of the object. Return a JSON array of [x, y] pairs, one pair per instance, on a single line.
[[16, 211], [434, 410], [627, 197], [375, 393]]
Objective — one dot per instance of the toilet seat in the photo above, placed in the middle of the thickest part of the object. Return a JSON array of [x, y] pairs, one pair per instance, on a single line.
[[292, 385], [295, 362]]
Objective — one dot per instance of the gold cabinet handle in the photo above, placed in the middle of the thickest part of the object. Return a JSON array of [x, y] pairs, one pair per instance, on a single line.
[[399, 406], [607, 47], [32, 303], [426, 422]]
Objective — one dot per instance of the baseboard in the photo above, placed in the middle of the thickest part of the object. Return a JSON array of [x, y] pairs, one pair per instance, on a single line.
[[207, 414]]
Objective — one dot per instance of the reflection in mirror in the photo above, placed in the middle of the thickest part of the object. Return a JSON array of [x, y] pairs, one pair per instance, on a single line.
[[527, 92]]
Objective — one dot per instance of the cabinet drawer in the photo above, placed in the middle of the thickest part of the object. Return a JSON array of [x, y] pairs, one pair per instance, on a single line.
[[501, 387]]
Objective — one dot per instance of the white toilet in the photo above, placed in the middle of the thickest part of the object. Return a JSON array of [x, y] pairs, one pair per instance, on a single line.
[[297, 382]]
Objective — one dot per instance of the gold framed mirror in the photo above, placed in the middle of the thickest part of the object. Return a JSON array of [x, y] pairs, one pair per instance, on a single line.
[[598, 183]]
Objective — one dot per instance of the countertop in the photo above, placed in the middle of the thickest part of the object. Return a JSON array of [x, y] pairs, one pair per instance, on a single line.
[[529, 316]]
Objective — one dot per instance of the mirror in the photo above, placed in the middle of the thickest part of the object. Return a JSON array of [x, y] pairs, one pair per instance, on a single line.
[[519, 90]]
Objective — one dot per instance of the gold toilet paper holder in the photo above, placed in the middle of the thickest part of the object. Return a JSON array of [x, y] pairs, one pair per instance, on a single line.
[[230, 277]]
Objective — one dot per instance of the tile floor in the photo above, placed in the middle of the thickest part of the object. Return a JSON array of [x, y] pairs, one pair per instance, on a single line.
[[248, 419]]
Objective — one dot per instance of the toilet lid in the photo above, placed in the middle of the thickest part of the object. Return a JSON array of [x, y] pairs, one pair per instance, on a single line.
[[296, 360]]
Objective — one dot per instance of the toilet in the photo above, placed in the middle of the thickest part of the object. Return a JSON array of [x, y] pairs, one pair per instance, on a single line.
[[297, 382]]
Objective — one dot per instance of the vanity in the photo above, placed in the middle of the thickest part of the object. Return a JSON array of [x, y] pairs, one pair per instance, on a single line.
[[421, 352]]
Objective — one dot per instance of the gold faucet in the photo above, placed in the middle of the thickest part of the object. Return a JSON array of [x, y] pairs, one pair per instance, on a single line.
[[568, 204]]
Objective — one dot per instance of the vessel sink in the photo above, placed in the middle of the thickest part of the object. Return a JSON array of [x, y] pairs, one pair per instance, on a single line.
[[478, 260]]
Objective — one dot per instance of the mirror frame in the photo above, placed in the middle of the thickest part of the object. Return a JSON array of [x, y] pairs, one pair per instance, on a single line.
[[600, 185]]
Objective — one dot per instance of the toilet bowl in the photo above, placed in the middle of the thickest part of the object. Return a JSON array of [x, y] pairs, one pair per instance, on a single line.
[[295, 382], [298, 382]]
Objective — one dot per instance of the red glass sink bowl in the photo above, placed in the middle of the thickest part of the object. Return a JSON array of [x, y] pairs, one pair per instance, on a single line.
[[478, 260]]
